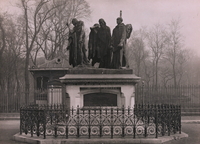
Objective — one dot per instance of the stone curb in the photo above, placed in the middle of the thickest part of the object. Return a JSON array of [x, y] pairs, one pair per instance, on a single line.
[[35, 140], [191, 121], [9, 118]]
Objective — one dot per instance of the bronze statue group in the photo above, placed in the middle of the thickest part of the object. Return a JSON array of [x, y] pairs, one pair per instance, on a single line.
[[103, 48]]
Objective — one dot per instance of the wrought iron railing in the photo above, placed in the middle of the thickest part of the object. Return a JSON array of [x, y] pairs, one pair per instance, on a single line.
[[188, 96], [140, 121]]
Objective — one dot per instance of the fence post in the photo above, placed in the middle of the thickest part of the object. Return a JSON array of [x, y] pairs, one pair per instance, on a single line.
[[145, 119], [111, 123], [179, 115], [89, 128], [123, 123], [20, 125], [55, 129], [156, 120], [67, 119], [134, 119], [100, 121], [78, 124], [44, 122], [38, 120], [26, 123], [163, 119], [31, 124], [175, 118], [169, 119]]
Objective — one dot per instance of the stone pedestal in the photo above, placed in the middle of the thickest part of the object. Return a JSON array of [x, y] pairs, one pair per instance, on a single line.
[[88, 86]]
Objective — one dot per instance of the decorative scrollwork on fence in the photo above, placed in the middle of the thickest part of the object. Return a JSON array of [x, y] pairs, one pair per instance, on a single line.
[[140, 121]]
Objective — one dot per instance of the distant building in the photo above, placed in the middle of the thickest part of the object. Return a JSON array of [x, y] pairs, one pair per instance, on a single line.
[[47, 87]]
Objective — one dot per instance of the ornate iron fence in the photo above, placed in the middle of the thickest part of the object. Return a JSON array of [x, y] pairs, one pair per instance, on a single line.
[[140, 121]]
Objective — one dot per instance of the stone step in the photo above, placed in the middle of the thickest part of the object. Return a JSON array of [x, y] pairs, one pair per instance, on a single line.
[[9, 116]]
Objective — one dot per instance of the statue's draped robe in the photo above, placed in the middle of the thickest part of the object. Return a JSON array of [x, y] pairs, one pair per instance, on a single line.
[[118, 37], [93, 53], [77, 50], [103, 40]]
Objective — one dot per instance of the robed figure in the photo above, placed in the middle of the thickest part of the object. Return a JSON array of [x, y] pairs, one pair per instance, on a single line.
[[76, 45], [94, 52], [118, 44], [103, 44]]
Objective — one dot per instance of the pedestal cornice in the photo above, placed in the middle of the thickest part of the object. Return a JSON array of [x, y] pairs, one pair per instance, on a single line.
[[99, 77]]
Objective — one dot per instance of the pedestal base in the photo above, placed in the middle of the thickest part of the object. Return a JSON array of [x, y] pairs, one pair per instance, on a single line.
[[100, 86]]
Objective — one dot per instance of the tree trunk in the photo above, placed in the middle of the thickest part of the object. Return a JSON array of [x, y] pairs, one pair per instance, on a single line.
[[27, 85], [174, 75], [156, 74]]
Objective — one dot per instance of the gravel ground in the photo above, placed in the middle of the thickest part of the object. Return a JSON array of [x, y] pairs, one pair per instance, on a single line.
[[8, 128]]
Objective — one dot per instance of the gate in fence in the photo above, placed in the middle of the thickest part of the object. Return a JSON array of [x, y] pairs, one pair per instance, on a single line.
[[140, 121]]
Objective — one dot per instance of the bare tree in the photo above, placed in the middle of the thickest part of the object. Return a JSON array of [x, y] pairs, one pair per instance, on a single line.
[[148, 71], [2, 50], [165, 74], [137, 53], [45, 27], [11, 62], [183, 57], [52, 39], [34, 18], [2, 37], [192, 70], [175, 54], [156, 43]]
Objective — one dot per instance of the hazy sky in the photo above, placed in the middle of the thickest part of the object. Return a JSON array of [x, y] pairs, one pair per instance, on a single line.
[[143, 13]]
